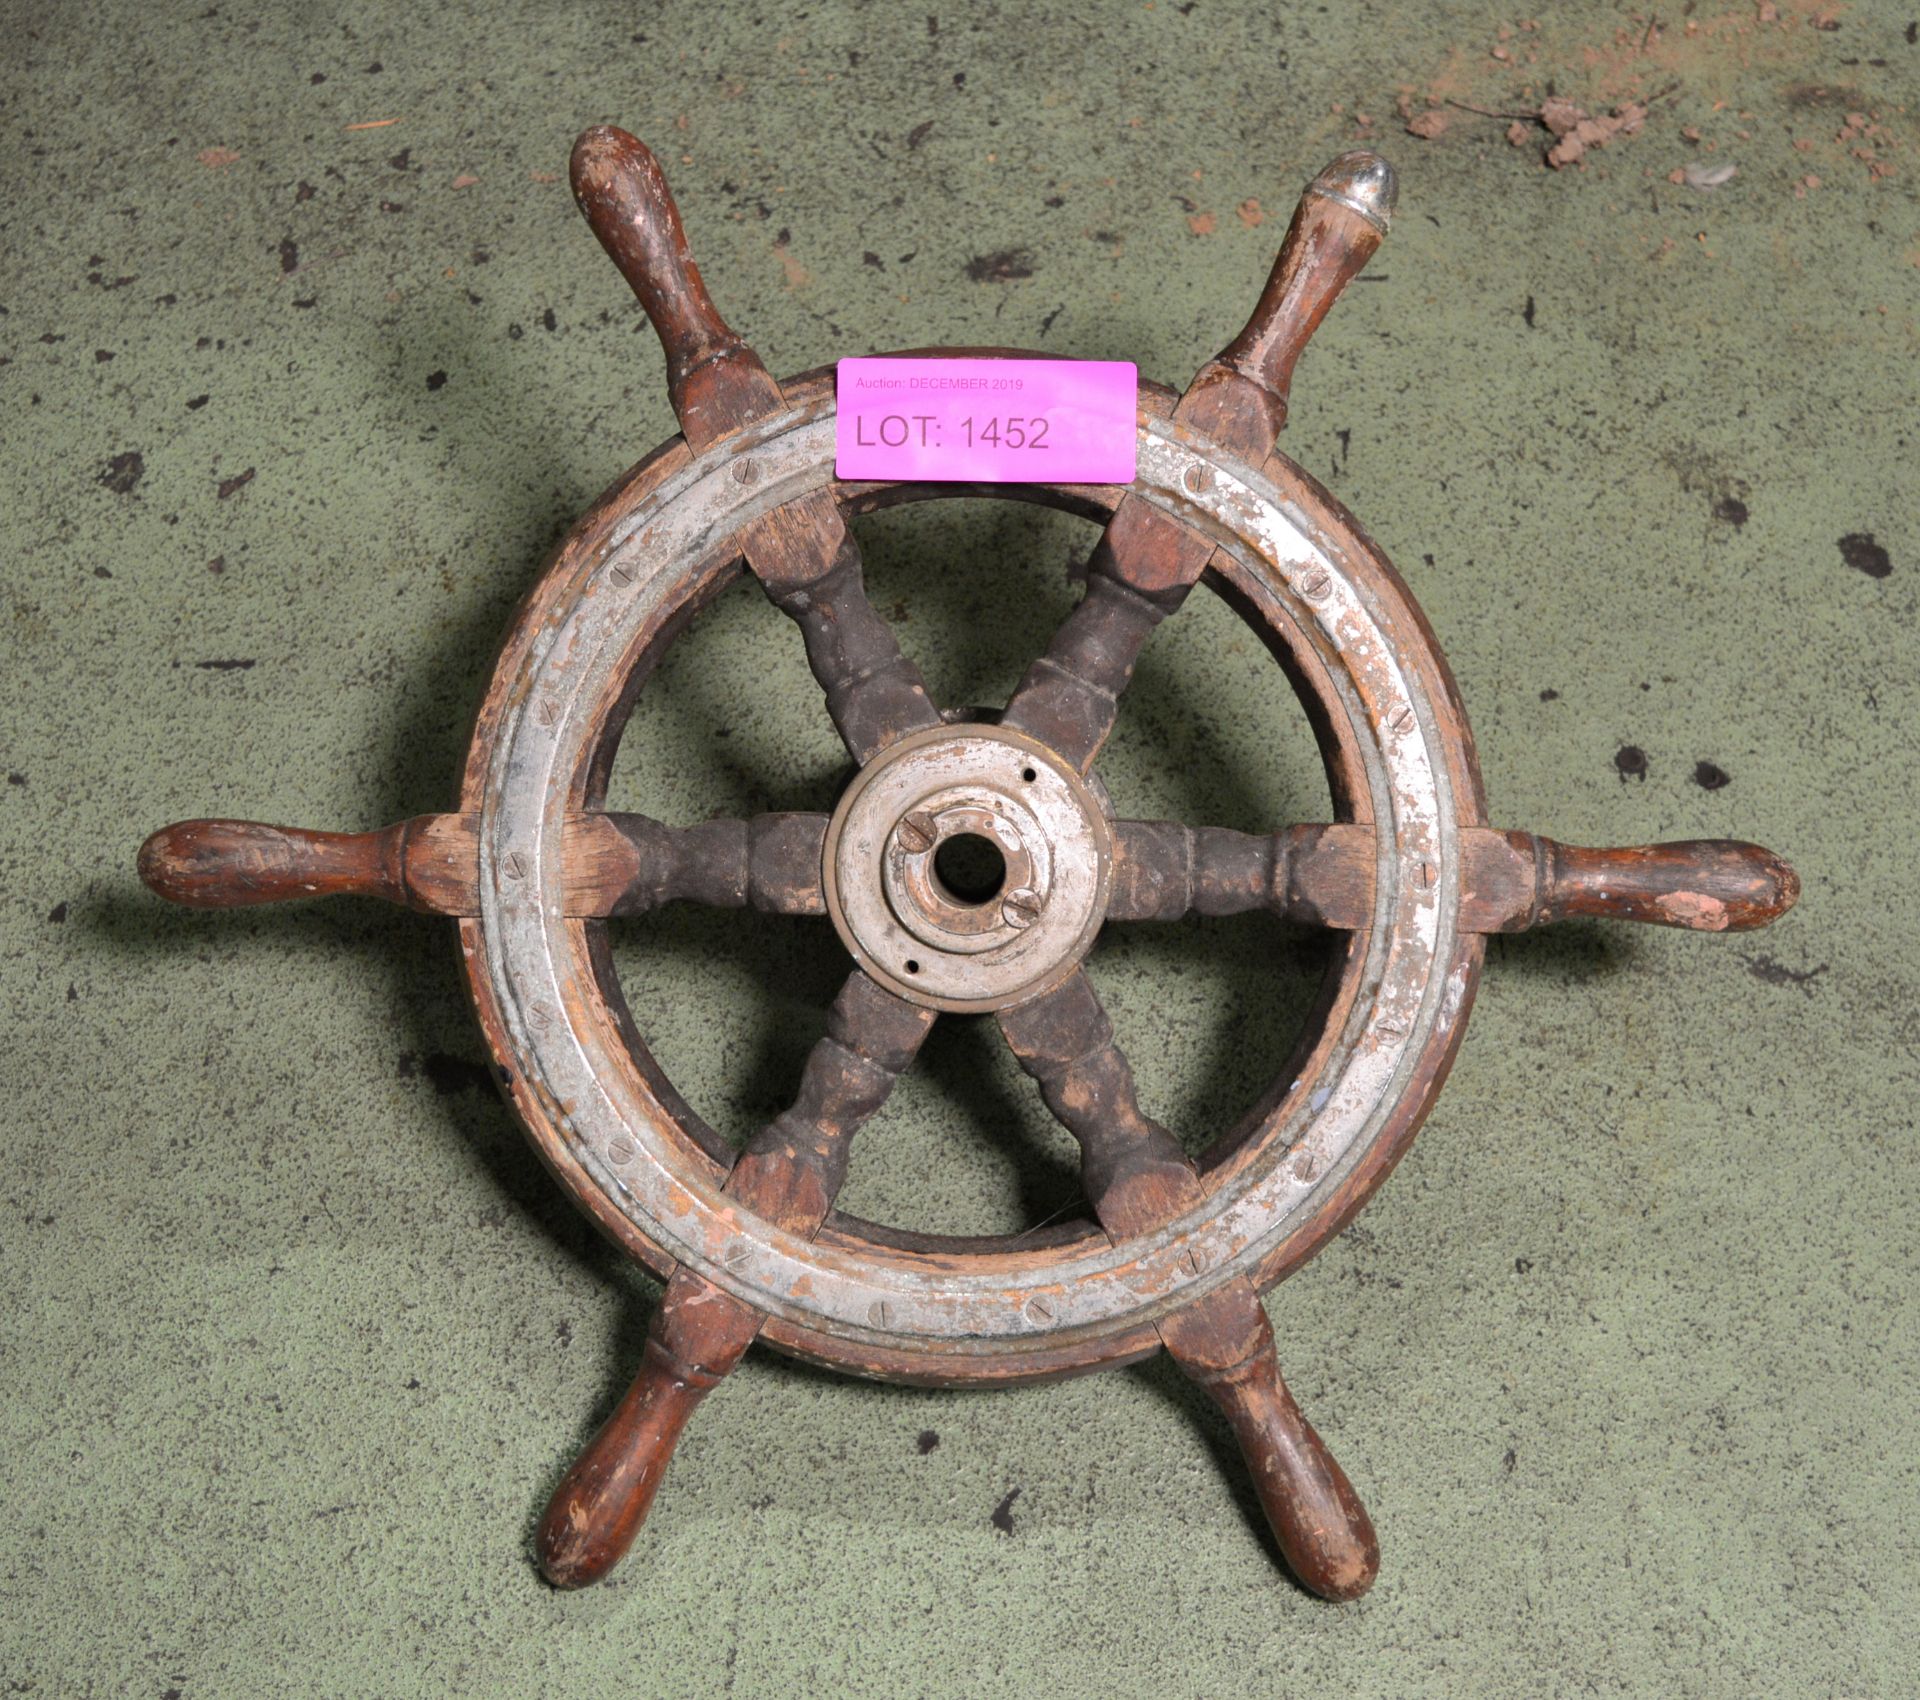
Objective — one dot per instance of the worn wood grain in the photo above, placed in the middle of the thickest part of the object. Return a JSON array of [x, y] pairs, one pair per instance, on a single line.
[[1239, 399], [1510, 881], [698, 1334], [1138, 1179], [428, 863], [614, 864], [789, 1174], [714, 380]]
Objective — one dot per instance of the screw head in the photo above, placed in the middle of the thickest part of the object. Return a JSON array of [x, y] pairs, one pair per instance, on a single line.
[[1021, 907], [745, 472], [916, 832]]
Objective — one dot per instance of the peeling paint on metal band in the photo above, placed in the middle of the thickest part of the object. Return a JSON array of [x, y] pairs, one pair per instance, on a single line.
[[581, 1080]]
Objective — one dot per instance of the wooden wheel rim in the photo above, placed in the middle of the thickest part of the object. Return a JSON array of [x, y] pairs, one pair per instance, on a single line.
[[924, 1307]]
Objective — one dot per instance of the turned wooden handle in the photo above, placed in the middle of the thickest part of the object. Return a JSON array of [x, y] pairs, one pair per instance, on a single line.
[[225, 864], [624, 195], [1240, 397], [1225, 1343], [1340, 222], [427, 863], [1711, 885], [604, 1498], [698, 1334], [1317, 1518]]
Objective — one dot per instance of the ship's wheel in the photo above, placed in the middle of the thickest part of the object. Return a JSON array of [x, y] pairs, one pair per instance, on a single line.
[[969, 867]]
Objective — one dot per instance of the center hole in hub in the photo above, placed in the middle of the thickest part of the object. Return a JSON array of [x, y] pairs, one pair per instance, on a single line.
[[970, 867]]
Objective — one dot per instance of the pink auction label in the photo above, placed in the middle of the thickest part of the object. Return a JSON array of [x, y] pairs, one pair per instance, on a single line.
[[986, 421]]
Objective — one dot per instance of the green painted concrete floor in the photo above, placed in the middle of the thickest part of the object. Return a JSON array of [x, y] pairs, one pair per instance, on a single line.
[[297, 1336]]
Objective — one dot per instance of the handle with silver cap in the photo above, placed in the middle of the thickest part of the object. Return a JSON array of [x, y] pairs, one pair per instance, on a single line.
[[1340, 222]]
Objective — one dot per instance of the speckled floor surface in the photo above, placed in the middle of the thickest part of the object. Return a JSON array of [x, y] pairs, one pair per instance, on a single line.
[[306, 359]]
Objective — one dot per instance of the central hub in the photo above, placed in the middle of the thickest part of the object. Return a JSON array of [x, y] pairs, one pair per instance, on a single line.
[[966, 867]]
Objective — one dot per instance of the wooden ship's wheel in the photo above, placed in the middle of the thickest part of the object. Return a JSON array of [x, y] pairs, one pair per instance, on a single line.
[[1177, 1251]]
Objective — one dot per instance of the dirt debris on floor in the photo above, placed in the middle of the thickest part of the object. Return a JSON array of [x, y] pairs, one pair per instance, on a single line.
[[1572, 95]]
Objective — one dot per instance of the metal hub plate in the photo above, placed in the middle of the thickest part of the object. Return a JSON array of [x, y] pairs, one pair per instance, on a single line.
[[899, 918]]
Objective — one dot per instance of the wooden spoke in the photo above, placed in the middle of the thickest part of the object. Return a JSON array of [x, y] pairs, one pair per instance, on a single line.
[[1148, 560], [621, 864], [1136, 1175], [809, 565], [800, 551], [616, 864], [1141, 571], [791, 1171], [1138, 1179], [1162, 870], [789, 1174], [1510, 881]]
